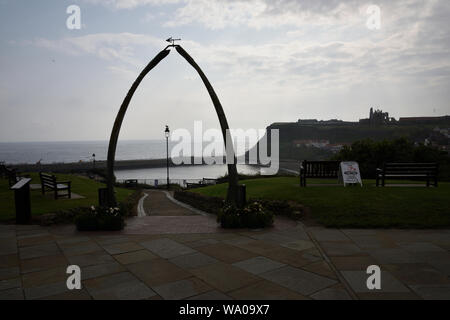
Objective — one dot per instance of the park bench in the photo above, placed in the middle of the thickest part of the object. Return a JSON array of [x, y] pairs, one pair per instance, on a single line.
[[11, 174], [48, 182], [131, 183], [426, 171], [318, 169]]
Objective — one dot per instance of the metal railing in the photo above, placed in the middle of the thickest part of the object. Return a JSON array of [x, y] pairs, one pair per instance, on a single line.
[[163, 181]]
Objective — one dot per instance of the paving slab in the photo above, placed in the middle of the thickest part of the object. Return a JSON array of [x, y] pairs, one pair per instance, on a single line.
[[8, 247], [388, 296], [417, 274], [274, 237], [42, 250], [9, 260], [340, 248], [80, 248], [10, 283], [298, 280], [106, 240], [8, 273], [353, 262], [81, 294], [358, 282], [42, 263], [167, 248], [122, 247], [211, 295], [224, 277], [193, 260], [393, 255], [44, 277], [266, 290], [12, 294], [45, 290], [323, 234], [90, 259], [202, 243], [299, 245], [372, 241], [287, 256], [120, 286], [256, 246], [34, 240], [421, 247], [135, 256], [99, 270], [182, 289], [432, 292], [226, 253], [157, 272], [258, 265], [321, 268], [336, 292]]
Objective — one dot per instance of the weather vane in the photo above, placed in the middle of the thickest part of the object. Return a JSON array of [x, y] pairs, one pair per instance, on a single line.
[[172, 41]]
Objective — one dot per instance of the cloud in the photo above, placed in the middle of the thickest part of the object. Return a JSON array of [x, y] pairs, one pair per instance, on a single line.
[[130, 4], [107, 46]]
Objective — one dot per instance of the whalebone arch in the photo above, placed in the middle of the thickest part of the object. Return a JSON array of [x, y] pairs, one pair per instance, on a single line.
[[232, 195]]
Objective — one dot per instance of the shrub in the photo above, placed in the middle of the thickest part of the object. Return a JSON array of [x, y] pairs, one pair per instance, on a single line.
[[101, 218], [86, 222], [253, 215]]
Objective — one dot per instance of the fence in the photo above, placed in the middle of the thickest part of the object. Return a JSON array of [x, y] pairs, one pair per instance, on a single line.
[[181, 182]]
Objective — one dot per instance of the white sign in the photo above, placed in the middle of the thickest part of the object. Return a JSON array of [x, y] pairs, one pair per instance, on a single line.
[[349, 173]]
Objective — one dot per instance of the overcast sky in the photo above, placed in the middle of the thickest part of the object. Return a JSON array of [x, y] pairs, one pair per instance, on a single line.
[[269, 61]]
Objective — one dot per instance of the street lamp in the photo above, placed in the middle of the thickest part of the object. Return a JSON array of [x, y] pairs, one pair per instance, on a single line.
[[167, 133], [93, 158]]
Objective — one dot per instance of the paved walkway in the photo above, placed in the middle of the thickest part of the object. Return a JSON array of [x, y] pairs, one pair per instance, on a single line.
[[150, 260]]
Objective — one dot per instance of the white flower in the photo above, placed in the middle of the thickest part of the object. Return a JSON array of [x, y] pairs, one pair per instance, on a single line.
[[92, 208]]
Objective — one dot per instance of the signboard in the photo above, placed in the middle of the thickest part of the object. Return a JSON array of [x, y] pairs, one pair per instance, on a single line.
[[349, 173]]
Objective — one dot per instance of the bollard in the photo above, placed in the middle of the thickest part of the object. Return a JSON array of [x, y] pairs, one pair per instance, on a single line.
[[242, 196], [22, 201], [103, 197]]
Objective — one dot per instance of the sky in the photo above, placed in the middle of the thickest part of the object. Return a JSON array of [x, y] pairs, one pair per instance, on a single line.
[[269, 61]]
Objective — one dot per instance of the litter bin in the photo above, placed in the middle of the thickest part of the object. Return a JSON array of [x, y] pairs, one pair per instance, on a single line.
[[103, 197], [242, 195], [22, 200]]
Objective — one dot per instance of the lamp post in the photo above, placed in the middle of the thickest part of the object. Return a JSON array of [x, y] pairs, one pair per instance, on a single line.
[[167, 133], [93, 159]]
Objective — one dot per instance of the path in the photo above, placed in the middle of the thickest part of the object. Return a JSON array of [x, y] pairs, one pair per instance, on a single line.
[[187, 256]]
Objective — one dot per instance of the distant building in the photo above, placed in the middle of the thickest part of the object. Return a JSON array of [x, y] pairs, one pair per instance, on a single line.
[[423, 120], [377, 117]]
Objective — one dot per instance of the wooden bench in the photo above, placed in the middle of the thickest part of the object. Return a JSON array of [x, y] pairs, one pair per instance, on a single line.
[[48, 182], [11, 174], [318, 169], [426, 171], [131, 183]]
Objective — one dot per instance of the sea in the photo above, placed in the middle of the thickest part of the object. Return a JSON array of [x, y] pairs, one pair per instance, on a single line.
[[76, 151]]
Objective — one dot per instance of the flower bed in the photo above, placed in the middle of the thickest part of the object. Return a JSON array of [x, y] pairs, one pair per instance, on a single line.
[[101, 218], [253, 215]]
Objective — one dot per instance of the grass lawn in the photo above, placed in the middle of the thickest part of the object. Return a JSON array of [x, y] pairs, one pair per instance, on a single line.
[[41, 204], [355, 207]]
